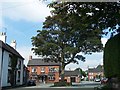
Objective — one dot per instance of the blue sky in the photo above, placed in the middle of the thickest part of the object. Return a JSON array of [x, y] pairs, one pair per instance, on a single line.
[[20, 19]]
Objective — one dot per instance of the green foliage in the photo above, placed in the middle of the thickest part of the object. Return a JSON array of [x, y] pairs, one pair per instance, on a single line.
[[105, 87], [95, 16], [57, 84], [84, 74], [75, 27], [112, 57], [81, 72], [65, 34]]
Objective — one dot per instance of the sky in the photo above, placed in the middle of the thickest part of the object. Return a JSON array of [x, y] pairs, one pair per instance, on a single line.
[[21, 19]]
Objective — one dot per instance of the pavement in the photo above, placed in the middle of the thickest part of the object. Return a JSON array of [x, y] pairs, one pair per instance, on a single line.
[[84, 85], [42, 85]]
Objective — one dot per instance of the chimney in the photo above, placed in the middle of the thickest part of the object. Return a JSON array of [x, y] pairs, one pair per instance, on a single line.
[[30, 57], [13, 44], [3, 37]]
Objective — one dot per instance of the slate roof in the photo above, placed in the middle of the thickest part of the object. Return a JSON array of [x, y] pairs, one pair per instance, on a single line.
[[9, 49], [99, 68], [72, 73], [41, 62]]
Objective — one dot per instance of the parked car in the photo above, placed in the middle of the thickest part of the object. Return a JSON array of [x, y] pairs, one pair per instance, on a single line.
[[104, 80], [31, 83], [97, 80]]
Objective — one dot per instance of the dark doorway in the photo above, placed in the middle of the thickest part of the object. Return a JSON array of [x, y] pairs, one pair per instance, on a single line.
[[42, 78], [72, 79]]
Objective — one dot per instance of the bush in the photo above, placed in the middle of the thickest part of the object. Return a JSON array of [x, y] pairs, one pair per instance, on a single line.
[[62, 83], [112, 57], [106, 87]]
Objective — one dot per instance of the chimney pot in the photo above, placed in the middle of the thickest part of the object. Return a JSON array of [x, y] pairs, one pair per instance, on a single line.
[[13, 44], [30, 57], [3, 37]]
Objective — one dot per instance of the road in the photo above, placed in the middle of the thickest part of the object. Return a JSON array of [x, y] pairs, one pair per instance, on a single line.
[[85, 85]]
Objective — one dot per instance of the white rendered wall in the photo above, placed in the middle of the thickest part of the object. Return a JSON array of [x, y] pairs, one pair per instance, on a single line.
[[5, 69], [0, 65]]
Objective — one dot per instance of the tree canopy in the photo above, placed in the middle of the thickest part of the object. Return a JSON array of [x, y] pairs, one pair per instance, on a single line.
[[94, 15], [83, 73], [75, 27], [64, 35]]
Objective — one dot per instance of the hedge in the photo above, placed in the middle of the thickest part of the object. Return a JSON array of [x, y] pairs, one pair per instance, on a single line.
[[57, 84], [111, 58]]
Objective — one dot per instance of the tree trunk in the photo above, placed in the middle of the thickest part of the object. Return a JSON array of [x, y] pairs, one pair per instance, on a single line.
[[62, 72], [62, 67]]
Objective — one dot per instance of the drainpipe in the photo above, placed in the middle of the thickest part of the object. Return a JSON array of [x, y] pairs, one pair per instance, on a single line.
[[1, 69]]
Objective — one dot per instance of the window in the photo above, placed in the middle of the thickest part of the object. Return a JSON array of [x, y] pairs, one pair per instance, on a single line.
[[91, 77], [19, 64], [33, 69], [90, 73], [42, 69], [9, 73], [51, 69], [51, 77], [56, 70], [9, 61], [18, 76]]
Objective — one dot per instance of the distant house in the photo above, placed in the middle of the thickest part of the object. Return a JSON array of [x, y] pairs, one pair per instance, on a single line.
[[11, 64], [72, 76], [48, 71], [42, 71], [97, 72]]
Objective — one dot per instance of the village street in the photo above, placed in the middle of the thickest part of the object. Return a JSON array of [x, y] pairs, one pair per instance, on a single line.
[[84, 85], [59, 44]]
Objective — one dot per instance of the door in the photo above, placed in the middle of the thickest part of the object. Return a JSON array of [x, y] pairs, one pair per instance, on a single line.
[[72, 79]]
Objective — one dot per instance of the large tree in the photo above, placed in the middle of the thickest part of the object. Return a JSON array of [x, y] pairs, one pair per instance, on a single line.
[[94, 15], [73, 28]]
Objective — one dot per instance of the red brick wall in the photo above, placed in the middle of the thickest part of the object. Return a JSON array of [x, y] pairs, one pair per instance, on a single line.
[[77, 79], [94, 75], [38, 71]]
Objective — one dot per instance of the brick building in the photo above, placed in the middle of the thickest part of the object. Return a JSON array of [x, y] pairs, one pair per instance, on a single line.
[[73, 76], [97, 72], [42, 71]]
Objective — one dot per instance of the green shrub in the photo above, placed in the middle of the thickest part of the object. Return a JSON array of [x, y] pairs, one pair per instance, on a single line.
[[62, 83], [112, 57], [106, 87]]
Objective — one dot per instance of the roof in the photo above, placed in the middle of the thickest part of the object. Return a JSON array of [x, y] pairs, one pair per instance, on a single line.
[[99, 68], [72, 73], [9, 49], [41, 62]]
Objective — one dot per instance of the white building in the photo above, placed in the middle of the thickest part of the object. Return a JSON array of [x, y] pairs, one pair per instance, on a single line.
[[11, 64]]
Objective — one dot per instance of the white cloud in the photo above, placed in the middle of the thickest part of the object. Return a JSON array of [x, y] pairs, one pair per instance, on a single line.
[[25, 51], [28, 10], [104, 40], [91, 61], [84, 65], [1, 21]]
